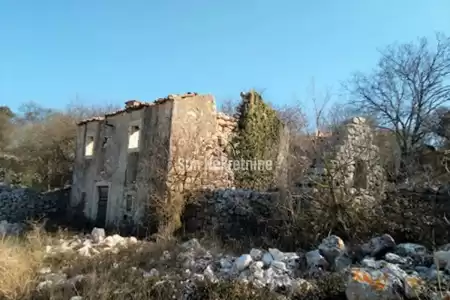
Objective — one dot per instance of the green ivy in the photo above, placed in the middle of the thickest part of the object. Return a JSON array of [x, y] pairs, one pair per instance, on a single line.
[[256, 138]]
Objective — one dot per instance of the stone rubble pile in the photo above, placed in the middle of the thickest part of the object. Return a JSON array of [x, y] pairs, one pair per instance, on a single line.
[[92, 244], [379, 269]]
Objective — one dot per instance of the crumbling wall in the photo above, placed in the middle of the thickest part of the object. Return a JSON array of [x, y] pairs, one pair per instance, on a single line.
[[225, 127], [199, 137], [350, 161], [358, 159]]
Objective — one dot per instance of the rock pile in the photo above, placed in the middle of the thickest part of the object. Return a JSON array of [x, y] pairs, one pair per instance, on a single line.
[[92, 244], [379, 269]]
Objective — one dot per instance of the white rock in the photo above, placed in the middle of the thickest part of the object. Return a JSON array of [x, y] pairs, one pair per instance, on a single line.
[[152, 273], [132, 240], [258, 274], [225, 263], [267, 259], [198, 277], [258, 264], [331, 247], [209, 274], [256, 254], [109, 241], [119, 240], [45, 270], [242, 262], [279, 265], [315, 259], [397, 259], [277, 254], [442, 259], [87, 243], [410, 249], [44, 285], [98, 235], [85, 251], [369, 262], [76, 298]]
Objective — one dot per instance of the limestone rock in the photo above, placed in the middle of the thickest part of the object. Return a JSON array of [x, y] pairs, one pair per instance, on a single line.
[[314, 260], [243, 262], [98, 235], [379, 245], [331, 247]]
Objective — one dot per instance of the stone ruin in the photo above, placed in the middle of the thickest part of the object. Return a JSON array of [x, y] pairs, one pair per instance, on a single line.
[[349, 160]]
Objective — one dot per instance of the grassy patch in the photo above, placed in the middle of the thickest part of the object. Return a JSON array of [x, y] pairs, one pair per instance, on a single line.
[[20, 258]]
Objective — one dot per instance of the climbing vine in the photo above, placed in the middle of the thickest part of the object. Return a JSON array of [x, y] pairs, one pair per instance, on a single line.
[[256, 140]]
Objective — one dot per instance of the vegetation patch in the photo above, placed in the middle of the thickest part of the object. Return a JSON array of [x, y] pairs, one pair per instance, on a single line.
[[257, 134]]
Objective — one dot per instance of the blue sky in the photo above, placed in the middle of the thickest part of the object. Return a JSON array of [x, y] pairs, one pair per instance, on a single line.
[[109, 51]]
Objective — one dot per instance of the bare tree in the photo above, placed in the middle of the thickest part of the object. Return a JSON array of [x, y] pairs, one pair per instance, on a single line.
[[409, 83], [44, 142], [229, 107]]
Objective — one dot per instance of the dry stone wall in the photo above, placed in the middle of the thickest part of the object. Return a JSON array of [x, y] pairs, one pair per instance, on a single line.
[[352, 160], [18, 205], [231, 213], [359, 157]]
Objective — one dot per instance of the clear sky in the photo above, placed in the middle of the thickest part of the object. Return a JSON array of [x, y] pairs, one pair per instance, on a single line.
[[111, 51]]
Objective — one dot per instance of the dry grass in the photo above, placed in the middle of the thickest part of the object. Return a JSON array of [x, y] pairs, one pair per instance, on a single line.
[[117, 276], [108, 275], [20, 258]]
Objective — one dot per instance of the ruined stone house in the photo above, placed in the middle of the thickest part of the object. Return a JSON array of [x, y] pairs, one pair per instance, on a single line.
[[349, 157], [124, 157]]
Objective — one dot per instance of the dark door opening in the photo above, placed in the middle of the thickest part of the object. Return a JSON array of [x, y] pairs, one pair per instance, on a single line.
[[102, 205]]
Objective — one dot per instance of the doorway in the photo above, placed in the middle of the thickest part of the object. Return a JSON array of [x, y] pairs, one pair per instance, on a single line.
[[102, 205]]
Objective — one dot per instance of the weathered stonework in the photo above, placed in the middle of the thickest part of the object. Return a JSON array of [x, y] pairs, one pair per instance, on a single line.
[[350, 160], [21, 204], [182, 145], [231, 213]]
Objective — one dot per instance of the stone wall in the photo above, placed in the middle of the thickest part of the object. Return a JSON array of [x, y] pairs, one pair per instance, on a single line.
[[21, 204], [231, 213], [199, 139], [351, 159]]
